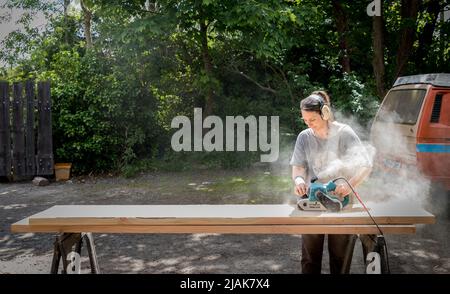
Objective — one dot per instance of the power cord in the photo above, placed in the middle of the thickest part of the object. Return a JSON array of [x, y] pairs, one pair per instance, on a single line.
[[367, 210]]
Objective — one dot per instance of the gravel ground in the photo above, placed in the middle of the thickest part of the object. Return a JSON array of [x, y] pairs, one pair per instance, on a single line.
[[427, 251]]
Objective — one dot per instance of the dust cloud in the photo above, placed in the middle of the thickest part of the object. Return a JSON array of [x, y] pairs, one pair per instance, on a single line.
[[402, 183]]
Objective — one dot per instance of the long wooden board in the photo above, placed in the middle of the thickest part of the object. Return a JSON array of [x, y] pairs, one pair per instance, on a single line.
[[384, 214], [24, 226]]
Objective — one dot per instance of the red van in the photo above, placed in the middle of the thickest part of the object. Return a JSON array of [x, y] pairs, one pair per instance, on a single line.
[[411, 130]]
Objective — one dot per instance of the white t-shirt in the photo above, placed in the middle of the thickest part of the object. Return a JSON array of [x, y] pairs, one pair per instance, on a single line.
[[339, 155]]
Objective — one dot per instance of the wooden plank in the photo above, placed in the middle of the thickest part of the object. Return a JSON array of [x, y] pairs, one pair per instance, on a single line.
[[30, 156], [18, 139], [23, 226], [45, 140], [386, 213], [5, 140]]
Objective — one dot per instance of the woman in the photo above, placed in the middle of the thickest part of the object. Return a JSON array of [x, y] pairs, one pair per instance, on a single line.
[[326, 150]]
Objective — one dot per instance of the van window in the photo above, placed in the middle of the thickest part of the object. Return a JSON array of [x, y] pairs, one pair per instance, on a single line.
[[437, 105], [402, 106]]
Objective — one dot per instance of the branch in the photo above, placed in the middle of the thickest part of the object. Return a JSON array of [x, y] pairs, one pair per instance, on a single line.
[[149, 11], [283, 75], [268, 89]]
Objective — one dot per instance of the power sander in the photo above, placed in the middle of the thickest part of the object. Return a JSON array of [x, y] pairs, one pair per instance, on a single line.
[[319, 198]]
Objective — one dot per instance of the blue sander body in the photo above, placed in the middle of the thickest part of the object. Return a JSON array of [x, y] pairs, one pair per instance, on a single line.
[[319, 198]]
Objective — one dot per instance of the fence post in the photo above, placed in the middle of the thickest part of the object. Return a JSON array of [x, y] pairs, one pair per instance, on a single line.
[[30, 155], [44, 144], [18, 138], [5, 139]]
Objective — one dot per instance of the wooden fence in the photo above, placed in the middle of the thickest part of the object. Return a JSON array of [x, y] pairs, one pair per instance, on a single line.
[[26, 147]]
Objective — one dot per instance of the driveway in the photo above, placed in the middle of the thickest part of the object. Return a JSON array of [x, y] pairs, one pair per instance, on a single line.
[[427, 251]]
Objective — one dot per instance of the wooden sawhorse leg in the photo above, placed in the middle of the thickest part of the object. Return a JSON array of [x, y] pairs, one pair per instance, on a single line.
[[348, 255], [63, 246], [376, 243], [370, 243]]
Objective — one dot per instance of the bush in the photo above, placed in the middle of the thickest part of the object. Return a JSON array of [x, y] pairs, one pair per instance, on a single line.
[[102, 117], [350, 96]]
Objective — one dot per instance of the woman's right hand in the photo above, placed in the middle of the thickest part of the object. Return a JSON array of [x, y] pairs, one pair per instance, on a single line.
[[301, 189]]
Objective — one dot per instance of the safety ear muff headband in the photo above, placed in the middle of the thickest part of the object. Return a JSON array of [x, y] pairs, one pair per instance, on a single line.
[[325, 110]]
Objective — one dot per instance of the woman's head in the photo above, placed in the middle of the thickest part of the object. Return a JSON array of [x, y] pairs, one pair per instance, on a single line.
[[315, 110]]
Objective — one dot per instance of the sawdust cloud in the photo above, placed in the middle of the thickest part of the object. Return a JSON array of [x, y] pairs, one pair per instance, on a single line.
[[403, 184], [408, 185]]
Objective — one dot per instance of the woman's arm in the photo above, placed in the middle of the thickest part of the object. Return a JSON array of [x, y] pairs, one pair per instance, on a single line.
[[344, 189], [300, 183]]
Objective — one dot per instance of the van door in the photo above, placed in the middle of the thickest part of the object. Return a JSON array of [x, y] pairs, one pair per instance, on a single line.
[[394, 129], [433, 136]]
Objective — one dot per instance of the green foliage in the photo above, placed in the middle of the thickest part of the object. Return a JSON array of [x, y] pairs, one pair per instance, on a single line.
[[101, 117], [131, 170], [113, 103], [352, 97]]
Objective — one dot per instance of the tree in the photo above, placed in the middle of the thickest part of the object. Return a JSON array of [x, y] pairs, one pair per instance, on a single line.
[[430, 12], [378, 54], [86, 7], [409, 11], [121, 70], [342, 28]]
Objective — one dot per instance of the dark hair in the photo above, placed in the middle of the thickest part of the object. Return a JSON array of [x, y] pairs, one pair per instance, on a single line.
[[312, 103], [324, 95], [315, 102]]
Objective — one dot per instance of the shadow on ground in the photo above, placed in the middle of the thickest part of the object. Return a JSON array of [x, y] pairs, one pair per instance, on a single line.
[[425, 252]]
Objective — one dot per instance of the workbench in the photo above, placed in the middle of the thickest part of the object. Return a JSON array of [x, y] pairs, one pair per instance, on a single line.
[[77, 223]]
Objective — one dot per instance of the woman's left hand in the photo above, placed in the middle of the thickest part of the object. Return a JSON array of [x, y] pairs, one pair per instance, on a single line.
[[342, 190]]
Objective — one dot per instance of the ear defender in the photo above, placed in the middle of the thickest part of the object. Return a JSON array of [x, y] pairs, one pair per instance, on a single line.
[[325, 110]]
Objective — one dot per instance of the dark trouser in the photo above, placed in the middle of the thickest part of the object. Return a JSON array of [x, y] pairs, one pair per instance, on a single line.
[[340, 248]]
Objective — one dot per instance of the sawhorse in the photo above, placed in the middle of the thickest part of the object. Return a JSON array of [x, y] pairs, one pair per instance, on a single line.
[[63, 246], [370, 243]]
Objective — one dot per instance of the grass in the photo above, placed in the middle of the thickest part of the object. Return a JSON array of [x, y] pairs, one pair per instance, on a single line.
[[245, 186], [266, 182], [188, 161]]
